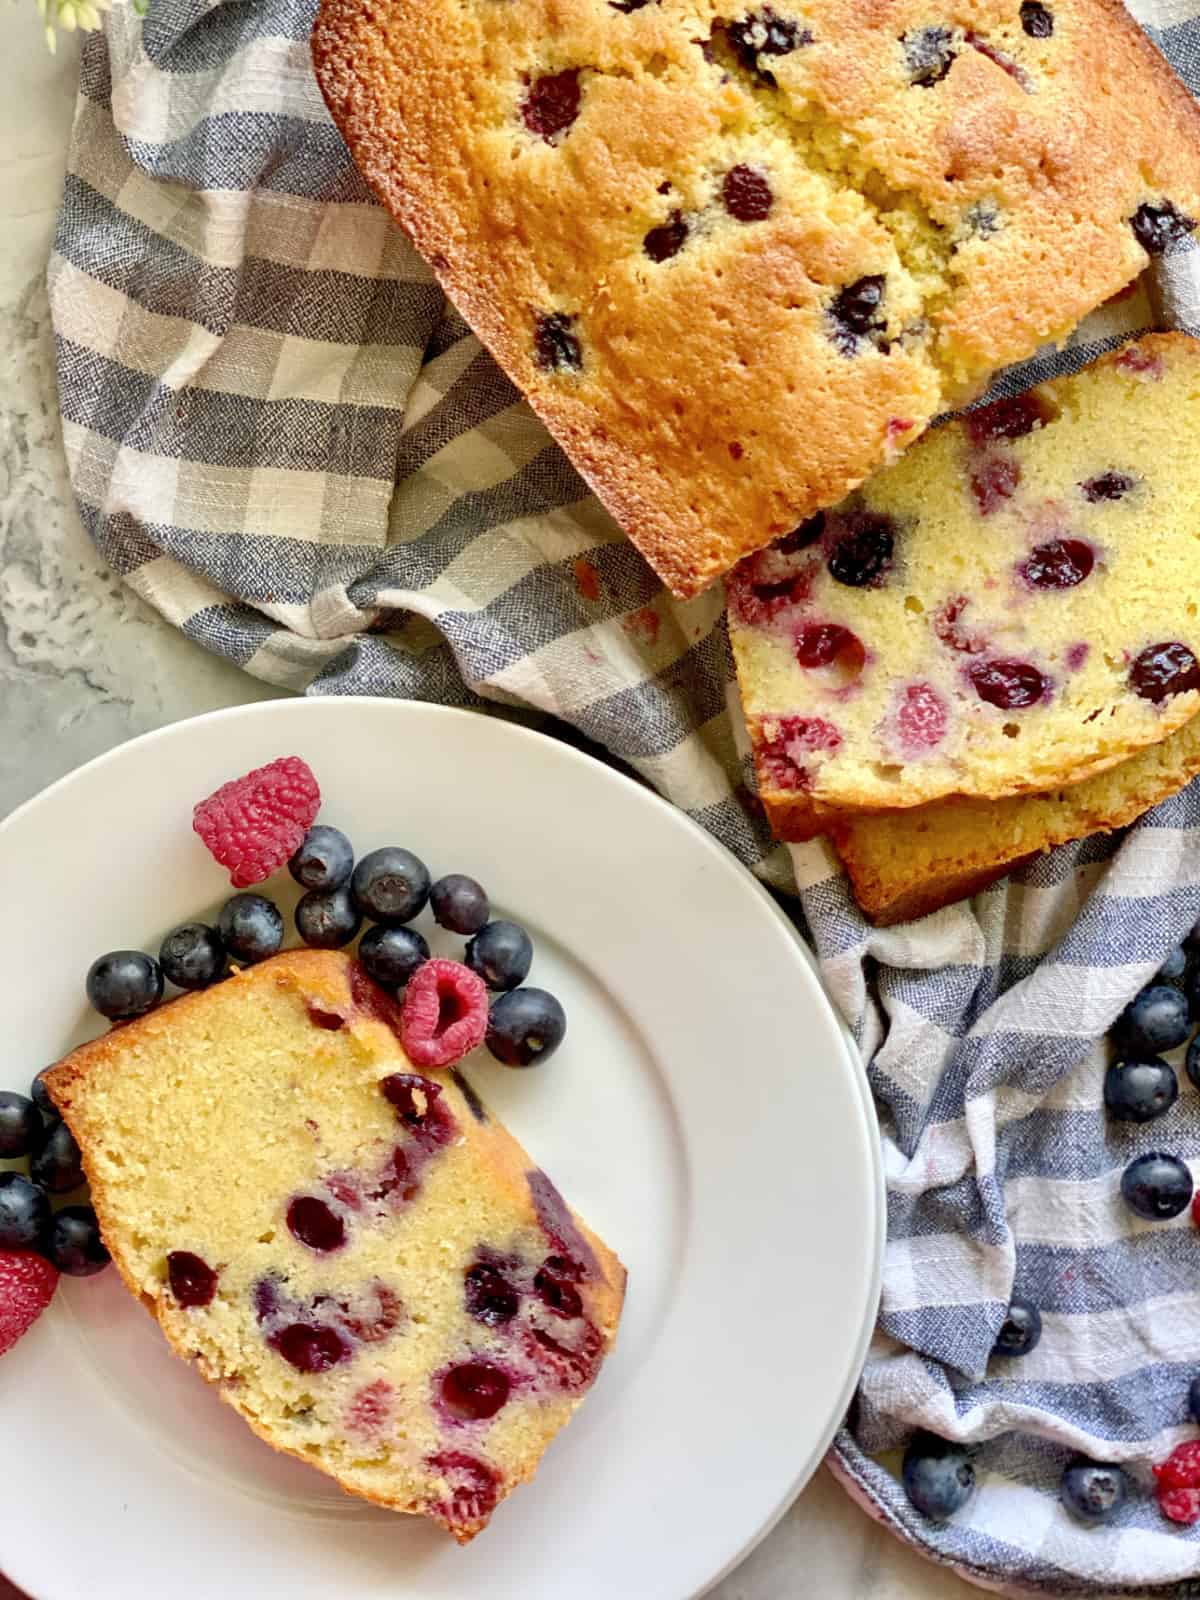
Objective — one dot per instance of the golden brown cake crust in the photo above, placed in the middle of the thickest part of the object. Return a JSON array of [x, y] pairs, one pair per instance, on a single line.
[[985, 182]]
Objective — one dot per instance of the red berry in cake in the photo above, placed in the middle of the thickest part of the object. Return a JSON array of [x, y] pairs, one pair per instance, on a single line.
[[746, 194], [123, 984], [310, 1348], [1162, 670], [569, 1360], [192, 956], [371, 1409], [251, 928], [193, 1282], [445, 1014], [1009, 685], [552, 103], [820, 644], [472, 1488], [324, 860], [24, 1214], [459, 903], [393, 956], [994, 480], [501, 953], [791, 740], [473, 1391], [327, 919], [253, 825], [373, 1314], [20, 1125], [1007, 419], [315, 1224], [950, 628], [27, 1285], [526, 1027], [57, 1165], [76, 1247], [921, 719], [419, 1105], [559, 1225], [390, 886]]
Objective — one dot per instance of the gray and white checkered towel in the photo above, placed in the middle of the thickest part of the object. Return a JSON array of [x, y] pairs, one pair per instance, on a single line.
[[283, 438]]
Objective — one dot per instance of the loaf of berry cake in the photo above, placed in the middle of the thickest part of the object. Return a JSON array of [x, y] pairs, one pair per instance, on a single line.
[[737, 255], [1009, 608], [365, 1263]]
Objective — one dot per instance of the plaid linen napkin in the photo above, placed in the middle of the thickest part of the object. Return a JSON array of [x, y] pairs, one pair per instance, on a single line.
[[283, 438]]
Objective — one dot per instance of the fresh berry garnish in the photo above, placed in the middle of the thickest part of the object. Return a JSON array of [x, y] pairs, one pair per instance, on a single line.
[[1139, 1091], [192, 956], [1174, 968], [471, 1488], [501, 953], [445, 1014], [1037, 22], [746, 194], [391, 886], [40, 1095], [790, 740], [393, 955], [554, 1286], [255, 824], [324, 860], [855, 311], [1011, 685], [309, 1348], [765, 33], [124, 983], [76, 1247], [1162, 670], [24, 1214], [1107, 486], [1156, 1019], [57, 1165], [1007, 419], [556, 346], [928, 55], [820, 644], [193, 1282], [1156, 1186], [327, 919], [1021, 1329], [459, 903], [993, 481], [27, 1285], [315, 1224], [921, 719], [490, 1298], [525, 1027], [473, 1391], [938, 1478], [667, 240], [20, 1125], [1157, 227], [863, 547], [418, 1104], [1093, 1493], [251, 928], [1058, 564], [552, 103], [1192, 1061]]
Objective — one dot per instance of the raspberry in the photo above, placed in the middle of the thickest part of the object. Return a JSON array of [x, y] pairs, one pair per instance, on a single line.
[[445, 1014], [1180, 1505], [1196, 1208], [27, 1285], [1181, 1469], [254, 825]]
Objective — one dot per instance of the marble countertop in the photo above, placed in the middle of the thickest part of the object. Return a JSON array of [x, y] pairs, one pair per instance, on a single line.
[[85, 665]]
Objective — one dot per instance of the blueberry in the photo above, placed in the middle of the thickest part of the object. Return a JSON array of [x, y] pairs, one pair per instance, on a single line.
[[124, 983], [1093, 1493], [1021, 1329], [1157, 227], [1156, 1186], [938, 1478], [57, 1164], [1174, 968], [1139, 1091], [76, 1247], [501, 953], [863, 550], [327, 919], [24, 1214], [1156, 1019], [525, 1027], [192, 956], [1162, 670], [390, 886], [324, 860], [1194, 1399], [40, 1095], [251, 927], [392, 955], [459, 903], [20, 1125], [1192, 1061]]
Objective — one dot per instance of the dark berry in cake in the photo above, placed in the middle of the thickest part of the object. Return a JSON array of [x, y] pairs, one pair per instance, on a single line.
[[628, 6], [937, 1475], [556, 347], [1156, 1186], [1107, 486], [667, 240], [251, 928], [393, 955], [994, 480], [327, 919], [324, 860], [310, 1348], [1192, 1061], [315, 1224], [27, 1285], [1157, 1018], [419, 1105], [1058, 564], [24, 1214], [862, 546], [57, 1164], [765, 33], [193, 1282], [489, 1296], [1093, 1493], [1006, 419], [20, 1125], [1139, 1091], [855, 311], [808, 533], [1162, 670], [552, 103], [1156, 228], [1021, 1329], [1036, 20], [473, 1391], [459, 903], [554, 1285], [1009, 685], [192, 956], [928, 55], [1174, 968], [445, 1014], [526, 1026], [391, 885], [76, 1247], [820, 644], [253, 824], [40, 1095], [124, 983], [501, 953], [746, 194]]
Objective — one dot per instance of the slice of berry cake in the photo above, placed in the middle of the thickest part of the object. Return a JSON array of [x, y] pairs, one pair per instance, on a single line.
[[364, 1262], [1010, 608]]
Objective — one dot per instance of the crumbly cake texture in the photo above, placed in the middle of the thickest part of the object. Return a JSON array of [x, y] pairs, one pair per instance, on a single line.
[[737, 257], [1008, 609], [401, 1297], [905, 864]]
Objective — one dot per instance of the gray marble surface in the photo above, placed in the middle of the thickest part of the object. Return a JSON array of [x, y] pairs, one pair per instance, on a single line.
[[85, 665]]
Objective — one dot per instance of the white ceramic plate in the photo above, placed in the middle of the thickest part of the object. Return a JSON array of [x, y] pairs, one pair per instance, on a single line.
[[705, 1114]]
